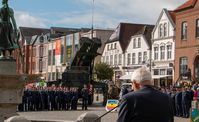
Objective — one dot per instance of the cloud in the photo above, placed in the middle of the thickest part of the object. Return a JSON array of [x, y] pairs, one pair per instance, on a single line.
[[107, 13], [27, 20], [112, 12]]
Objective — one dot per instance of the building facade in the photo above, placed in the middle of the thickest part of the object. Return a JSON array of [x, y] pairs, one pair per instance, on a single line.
[[137, 53], [163, 49], [187, 41], [119, 49]]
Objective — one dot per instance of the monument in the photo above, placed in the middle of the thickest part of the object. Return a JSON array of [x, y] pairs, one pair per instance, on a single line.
[[11, 83]]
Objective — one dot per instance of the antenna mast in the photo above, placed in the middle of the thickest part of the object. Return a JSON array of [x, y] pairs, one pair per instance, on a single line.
[[92, 20]]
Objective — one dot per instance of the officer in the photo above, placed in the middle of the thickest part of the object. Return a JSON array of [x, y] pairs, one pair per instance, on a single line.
[[178, 103], [74, 99], [67, 96], [186, 99], [84, 98], [51, 98]]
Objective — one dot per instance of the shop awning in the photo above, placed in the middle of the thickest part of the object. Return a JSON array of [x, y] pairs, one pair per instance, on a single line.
[[160, 76], [126, 77]]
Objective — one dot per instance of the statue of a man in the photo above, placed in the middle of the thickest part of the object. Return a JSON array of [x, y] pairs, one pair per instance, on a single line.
[[8, 29]]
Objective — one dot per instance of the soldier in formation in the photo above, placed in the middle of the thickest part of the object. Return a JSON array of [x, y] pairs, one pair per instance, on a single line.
[[49, 98]]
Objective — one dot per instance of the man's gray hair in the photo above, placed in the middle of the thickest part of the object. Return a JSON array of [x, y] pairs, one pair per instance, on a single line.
[[142, 76]]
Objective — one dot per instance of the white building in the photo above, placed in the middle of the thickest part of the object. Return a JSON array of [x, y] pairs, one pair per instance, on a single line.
[[163, 49], [138, 51], [120, 44]]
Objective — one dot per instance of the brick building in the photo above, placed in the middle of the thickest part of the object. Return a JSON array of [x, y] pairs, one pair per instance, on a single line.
[[187, 40]]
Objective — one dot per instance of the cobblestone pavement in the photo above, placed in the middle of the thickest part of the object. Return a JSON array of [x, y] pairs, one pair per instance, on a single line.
[[72, 115]]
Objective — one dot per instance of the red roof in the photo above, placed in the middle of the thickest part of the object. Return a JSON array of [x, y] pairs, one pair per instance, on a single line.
[[188, 4], [173, 16]]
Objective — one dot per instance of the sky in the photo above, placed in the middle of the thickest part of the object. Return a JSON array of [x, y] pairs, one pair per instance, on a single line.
[[78, 13]]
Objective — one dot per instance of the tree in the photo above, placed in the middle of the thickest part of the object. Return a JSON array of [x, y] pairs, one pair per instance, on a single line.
[[103, 71]]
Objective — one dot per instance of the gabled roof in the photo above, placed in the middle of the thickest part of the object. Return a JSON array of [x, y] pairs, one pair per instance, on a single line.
[[146, 31], [186, 5], [66, 31], [172, 15], [28, 32], [124, 32]]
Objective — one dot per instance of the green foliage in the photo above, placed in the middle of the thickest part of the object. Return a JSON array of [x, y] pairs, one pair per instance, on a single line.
[[103, 71]]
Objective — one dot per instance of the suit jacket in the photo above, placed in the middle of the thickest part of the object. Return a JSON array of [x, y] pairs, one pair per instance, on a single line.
[[146, 105]]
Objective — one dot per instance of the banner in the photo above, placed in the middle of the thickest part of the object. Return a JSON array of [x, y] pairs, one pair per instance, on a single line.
[[110, 104], [58, 47]]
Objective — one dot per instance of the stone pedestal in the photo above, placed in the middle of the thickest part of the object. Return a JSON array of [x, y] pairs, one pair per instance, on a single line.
[[88, 117], [11, 88]]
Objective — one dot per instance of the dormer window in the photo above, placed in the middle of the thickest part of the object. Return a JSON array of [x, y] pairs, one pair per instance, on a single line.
[[165, 29], [160, 31], [115, 45], [139, 42], [134, 43]]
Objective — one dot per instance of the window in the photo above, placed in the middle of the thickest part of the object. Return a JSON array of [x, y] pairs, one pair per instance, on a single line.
[[145, 56], [162, 52], [41, 51], [162, 71], [44, 64], [53, 76], [169, 51], [184, 31], [139, 58], [120, 59], [49, 57], [115, 59], [115, 45], [107, 47], [49, 76], [128, 58], [40, 65], [53, 56], [134, 43], [139, 42], [169, 71], [165, 29], [197, 28], [107, 59], [183, 65], [133, 58], [111, 60], [160, 31], [111, 46], [155, 53], [156, 71]]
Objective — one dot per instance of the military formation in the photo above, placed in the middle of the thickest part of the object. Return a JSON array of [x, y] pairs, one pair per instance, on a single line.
[[182, 98], [53, 98]]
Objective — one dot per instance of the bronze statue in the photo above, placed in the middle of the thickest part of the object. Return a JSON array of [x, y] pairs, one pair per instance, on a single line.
[[8, 29]]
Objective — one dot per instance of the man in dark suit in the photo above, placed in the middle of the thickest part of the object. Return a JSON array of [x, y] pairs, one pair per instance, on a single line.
[[145, 104]]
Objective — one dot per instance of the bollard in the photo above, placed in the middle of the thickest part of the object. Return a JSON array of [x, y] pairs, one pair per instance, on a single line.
[[88, 117], [17, 119]]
